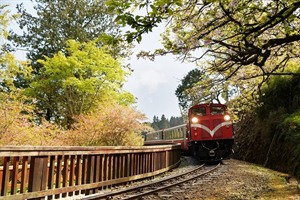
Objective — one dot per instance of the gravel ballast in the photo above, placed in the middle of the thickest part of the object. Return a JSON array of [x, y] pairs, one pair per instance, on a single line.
[[238, 180]]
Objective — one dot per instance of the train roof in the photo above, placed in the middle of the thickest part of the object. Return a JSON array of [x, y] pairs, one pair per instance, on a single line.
[[207, 104]]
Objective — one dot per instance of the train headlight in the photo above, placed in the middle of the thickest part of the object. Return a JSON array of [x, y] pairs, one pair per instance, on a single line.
[[226, 117], [194, 120]]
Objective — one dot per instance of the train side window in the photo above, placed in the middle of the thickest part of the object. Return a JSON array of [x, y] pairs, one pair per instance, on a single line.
[[217, 110], [199, 111]]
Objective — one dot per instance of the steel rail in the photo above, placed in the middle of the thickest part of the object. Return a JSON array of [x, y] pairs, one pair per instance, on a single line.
[[139, 188]]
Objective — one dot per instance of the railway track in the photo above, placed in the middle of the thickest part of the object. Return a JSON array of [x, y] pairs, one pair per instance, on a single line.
[[161, 188]]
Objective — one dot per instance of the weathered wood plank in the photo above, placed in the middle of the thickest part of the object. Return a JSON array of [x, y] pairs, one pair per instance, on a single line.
[[24, 176], [38, 174], [72, 173], [84, 171], [58, 174], [65, 174], [5, 177], [97, 170], [51, 177], [90, 172], [52, 150], [14, 176], [78, 172]]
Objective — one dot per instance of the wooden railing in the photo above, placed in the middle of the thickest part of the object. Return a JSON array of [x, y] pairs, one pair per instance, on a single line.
[[58, 172]]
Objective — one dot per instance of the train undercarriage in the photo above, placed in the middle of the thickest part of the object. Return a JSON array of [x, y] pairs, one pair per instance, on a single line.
[[211, 150]]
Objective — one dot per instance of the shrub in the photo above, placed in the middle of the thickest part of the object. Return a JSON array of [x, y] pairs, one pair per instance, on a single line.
[[110, 125], [18, 127]]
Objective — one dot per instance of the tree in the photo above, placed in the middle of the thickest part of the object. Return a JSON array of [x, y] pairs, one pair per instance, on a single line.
[[75, 84], [187, 93], [17, 118], [232, 35], [164, 123], [46, 31], [9, 67], [110, 124], [18, 125], [45, 35], [175, 121], [155, 123], [199, 87]]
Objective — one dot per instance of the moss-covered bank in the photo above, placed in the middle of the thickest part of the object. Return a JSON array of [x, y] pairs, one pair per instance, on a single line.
[[270, 134]]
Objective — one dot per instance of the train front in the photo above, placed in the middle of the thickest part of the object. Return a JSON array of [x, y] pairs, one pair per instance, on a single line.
[[210, 131]]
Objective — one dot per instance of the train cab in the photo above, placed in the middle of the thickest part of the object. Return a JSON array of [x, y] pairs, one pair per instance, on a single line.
[[210, 131]]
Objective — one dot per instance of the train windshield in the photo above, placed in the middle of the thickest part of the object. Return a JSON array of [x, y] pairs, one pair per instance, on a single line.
[[201, 111], [217, 110]]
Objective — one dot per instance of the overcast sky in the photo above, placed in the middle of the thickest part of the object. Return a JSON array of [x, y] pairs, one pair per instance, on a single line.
[[153, 83]]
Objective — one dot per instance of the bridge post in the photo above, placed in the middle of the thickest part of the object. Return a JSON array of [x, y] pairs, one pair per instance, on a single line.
[[38, 174]]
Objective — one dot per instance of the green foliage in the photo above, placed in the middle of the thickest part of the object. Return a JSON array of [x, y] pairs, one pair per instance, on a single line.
[[280, 93], [279, 102], [17, 118], [71, 82], [46, 30], [77, 83], [198, 86], [188, 82], [274, 132], [10, 68], [109, 125], [141, 23], [164, 123], [238, 44], [291, 126], [4, 19], [242, 40], [290, 131]]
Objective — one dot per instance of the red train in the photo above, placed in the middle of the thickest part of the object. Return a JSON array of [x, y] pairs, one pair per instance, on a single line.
[[208, 133]]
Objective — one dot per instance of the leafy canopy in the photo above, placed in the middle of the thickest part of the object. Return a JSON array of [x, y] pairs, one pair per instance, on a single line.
[[10, 68], [77, 83], [230, 34], [197, 87], [78, 79], [46, 30], [239, 44], [4, 19]]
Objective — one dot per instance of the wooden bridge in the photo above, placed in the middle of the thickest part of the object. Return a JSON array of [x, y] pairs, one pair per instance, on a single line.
[[61, 172]]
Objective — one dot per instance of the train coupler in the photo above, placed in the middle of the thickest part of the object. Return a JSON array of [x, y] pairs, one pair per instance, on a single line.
[[212, 153]]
